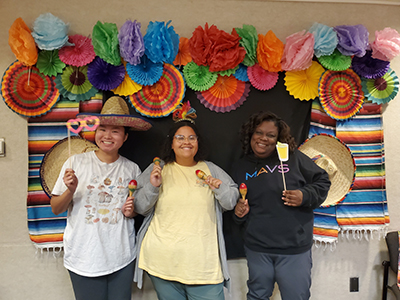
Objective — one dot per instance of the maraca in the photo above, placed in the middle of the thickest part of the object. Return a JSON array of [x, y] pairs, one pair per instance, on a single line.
[[156, 161], [201, 174], [243, 190], [132, 187]]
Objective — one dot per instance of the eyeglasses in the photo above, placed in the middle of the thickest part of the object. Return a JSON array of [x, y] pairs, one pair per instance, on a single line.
[[181, 138]]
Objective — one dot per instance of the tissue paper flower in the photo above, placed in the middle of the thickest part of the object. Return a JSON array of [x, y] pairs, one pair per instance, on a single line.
[[183, 57], [386, 45], [105, 42], [80, 53], [325, 39], [49, 32], [298, 52], [105, 76], [22, 43], [49, 63], [161, 42], [269, 52], [200, 45], [131, 44], [249, 40], [352, 40], [369, 67]]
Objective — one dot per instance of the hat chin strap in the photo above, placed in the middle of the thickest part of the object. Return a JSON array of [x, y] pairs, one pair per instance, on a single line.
[[326, 163]]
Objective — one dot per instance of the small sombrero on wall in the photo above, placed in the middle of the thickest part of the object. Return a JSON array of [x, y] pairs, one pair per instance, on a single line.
[[332, 155], [54, 159], [115, 111]]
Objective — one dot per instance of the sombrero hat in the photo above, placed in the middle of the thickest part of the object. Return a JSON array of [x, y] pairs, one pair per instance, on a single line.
[[332, 155], [115, 111], [54, 159]]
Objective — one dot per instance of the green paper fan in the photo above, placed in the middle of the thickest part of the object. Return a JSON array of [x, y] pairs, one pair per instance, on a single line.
[[49, 63], [228, 72], [383, 89], [336, 61], [199, 78]]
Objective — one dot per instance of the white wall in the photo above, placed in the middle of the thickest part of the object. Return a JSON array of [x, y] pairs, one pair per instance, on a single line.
[[27, 275]]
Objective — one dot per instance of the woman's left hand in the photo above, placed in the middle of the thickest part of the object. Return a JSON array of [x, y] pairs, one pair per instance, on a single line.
[[214, 183], [292, 197]]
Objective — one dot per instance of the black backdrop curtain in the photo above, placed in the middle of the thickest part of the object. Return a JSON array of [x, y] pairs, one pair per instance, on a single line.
[[221, 132]]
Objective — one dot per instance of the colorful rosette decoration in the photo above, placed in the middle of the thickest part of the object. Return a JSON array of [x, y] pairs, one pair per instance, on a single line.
[[131, 44], [199, 78], [298, 52], [74, 84], [161, 98], [249, 41], [183, 57], [383, 89], [340, 93], [352, 40], [225, 95], [386, 45], [49, 32], [369, 67], [269, 52], [105, 42], [145, 73], [161, 42], [49, 63], [335, 61], [105, 76], [325, 39], [22, 43], [128, 86], [79, 52], [303, 85], [261, 79]]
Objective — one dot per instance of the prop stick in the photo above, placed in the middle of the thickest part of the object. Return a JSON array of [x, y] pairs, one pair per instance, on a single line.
[[283, 153], [243, 190], [156, 161], [201, 174], [132, 187]]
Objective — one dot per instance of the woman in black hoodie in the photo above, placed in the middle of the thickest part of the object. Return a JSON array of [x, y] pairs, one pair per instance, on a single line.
[[278, 223]]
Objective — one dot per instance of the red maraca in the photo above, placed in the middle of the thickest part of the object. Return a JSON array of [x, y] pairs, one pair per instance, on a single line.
[[201, 174], [132, 187], [243, 190]]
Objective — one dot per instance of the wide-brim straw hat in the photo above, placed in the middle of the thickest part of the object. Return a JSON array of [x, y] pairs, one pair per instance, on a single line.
[[115, 112], [331, 154], [54, 159]]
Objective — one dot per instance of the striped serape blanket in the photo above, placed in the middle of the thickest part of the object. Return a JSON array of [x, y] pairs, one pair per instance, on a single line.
[[46, 229]]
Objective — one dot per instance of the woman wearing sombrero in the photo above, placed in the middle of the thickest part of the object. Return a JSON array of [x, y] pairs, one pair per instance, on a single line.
[[99, 239]]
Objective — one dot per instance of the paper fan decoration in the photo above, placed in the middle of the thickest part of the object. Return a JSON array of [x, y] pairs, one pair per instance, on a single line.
[[227, 94], [303, 85], [199, 78], [369, 67], [261, 79], [49, 63], [340, 94], [27, 91], [128, 86], [336, 61], [145, 73], [105, 76], [383, 89], [161, 98], [241, 73], [183, 57], [74, 84], [80, 53]]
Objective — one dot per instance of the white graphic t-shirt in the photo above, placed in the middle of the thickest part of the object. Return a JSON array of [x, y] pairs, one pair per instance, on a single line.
[[98, 238]]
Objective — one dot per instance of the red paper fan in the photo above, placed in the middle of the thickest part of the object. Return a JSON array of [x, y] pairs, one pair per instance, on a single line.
[[340, 93], [81, 54], [27, 91], [262, 79], [161, 98], [227, 94]]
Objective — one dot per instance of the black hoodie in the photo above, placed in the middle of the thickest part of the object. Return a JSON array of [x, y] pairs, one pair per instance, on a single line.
[[271, 226]]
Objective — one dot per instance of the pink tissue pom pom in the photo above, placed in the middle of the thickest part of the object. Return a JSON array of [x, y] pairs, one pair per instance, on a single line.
[[299, 51], [386, 45]]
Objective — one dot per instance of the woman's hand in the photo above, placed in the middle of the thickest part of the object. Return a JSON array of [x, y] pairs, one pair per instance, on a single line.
[[70, 180], [242, 208], [292, 197], [155, 176], [213, 183], [128, 209]]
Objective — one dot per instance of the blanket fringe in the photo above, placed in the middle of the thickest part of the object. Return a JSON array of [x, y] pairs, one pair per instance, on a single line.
[[323, 245], [42, 251], [367, 234]]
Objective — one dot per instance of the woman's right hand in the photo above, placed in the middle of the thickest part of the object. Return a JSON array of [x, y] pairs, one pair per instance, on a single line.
[[70, 180], [155, 176], [242, 208]]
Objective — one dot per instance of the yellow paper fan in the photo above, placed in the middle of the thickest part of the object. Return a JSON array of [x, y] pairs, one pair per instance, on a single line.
[[128, 86]]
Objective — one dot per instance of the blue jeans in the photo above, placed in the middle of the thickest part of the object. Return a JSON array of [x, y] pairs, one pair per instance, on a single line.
[[173, 290], [292, 273], [114, 286]]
